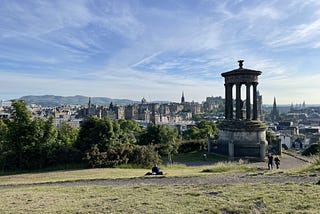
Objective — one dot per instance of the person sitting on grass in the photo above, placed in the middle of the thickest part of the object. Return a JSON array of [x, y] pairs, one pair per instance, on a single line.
[[156, 170]]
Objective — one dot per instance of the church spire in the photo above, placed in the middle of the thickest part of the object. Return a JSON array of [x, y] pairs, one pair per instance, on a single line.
[[274, 102], [275, 113], [182, 97], [89, 104]]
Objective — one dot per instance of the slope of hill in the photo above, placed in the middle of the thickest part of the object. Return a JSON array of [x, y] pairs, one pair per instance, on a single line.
[[52, 100]]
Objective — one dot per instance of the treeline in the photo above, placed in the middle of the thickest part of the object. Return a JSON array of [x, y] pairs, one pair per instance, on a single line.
[[27, 143]]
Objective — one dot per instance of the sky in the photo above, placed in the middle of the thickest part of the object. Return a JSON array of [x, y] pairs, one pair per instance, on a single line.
[[158, 49]]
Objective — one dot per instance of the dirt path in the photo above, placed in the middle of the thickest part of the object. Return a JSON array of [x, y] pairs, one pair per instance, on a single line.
[[286, 162]]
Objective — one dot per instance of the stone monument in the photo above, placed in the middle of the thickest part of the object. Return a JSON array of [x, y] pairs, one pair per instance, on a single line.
[[241, 133]]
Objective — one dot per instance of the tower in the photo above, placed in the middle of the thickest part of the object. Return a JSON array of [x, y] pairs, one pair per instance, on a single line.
[[182, 98], [274, 112], [241, 135]]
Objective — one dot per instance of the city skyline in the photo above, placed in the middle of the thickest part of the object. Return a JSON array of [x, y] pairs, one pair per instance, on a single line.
[[158, 49]]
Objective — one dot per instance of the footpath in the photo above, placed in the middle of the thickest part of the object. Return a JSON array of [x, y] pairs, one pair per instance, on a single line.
[[286, 162]]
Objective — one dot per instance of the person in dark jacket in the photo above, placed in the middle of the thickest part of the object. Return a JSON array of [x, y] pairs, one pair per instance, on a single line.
[[270, 161], [156, 170], [277, 161]]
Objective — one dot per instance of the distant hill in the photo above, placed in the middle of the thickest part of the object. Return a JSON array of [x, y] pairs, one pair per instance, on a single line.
[[52, 100]]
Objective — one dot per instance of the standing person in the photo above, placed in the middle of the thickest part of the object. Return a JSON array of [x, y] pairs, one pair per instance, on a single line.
[[277, 161], [270, 161]]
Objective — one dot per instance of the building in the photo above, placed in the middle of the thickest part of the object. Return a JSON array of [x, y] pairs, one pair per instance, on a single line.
[[241, 133]]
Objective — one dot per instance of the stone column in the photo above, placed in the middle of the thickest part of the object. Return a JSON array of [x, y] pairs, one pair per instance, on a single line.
[[248, 102], [226, 102], [255, 102], [230, 103], [238, 100]]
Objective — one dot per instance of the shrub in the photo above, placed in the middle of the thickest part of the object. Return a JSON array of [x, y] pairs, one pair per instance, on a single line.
[[123, 154], [190, 146], [312, 150]]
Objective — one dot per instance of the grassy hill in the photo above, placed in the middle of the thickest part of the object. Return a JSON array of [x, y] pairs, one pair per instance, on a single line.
[[224, 187]]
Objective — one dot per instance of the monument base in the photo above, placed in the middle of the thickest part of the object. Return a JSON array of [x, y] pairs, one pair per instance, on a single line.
[[241, 139]]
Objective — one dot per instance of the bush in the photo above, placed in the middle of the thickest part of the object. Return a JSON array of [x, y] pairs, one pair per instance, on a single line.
[[312, 150], [190, 146], [144, 156], [63, 154]]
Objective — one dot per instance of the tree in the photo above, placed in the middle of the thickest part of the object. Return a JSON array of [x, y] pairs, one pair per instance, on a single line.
[[150, 135], [41, 144], [3, 134], [128, 131], [129, 125], [201, 130], [271, 136], [29, 142], [168, 138], [3, 142], [19, 132], [67, 135], [96, 131], [164, 136]]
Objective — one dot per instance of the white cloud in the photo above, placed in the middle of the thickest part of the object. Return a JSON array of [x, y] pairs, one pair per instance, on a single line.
[[304, 34]]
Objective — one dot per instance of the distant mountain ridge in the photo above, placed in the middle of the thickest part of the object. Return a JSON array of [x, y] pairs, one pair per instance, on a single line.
[[52, 100]]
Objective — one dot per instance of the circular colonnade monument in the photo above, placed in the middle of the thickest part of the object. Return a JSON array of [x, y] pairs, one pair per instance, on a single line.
[[241, 133]]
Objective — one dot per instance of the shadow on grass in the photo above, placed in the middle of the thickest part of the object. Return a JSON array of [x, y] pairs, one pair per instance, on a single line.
[[64, 167]]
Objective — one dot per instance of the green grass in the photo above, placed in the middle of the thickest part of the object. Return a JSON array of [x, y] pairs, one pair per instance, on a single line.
[[262, 197], [195, 157], [182, 198], [115, 173], [223, 167]]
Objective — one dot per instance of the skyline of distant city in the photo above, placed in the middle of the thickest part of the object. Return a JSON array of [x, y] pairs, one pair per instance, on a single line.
[[157, 49], [168, 101]]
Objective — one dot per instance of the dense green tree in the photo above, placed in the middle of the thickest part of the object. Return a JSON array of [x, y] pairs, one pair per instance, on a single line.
[[129, 129], [201, 130], [40, 145], [191, 133], [29, 144], [19, 133], [164, 136], [271, 136], [3, 134], [96, 131], [67, 135], [129, 125], [168, 138], [150, 135], [3, 142]]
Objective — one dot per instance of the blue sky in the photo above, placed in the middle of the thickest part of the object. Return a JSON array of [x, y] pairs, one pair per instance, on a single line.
[[157, 49]]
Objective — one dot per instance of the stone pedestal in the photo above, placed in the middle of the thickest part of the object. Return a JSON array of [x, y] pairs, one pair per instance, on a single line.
[[242, 139]]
